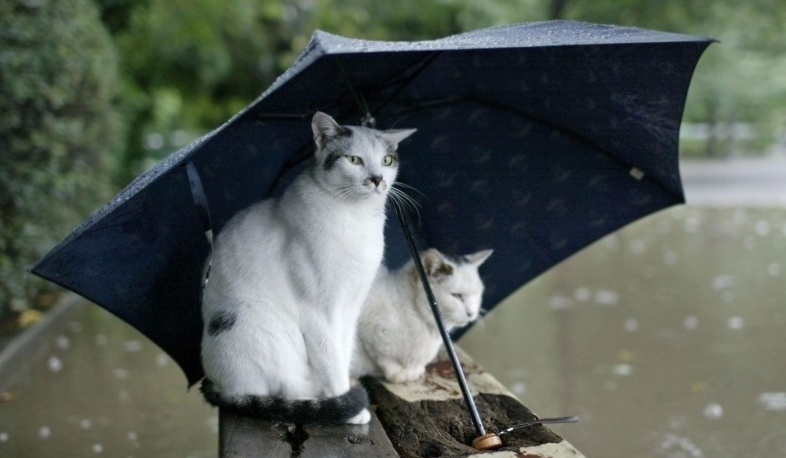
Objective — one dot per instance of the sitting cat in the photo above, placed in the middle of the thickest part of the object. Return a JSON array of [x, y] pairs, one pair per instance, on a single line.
[[288, 280], [397, 334]]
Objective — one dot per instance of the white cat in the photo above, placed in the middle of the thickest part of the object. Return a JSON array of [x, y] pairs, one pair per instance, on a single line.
[[397, 334], [288, 280]]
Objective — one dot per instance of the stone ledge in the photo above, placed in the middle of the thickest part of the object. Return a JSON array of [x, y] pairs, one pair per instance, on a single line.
[[427, 418]]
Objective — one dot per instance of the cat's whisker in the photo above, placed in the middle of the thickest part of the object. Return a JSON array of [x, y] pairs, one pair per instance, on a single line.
[[409, 187], [398, 203], [407, 197], [406, 201], [346, 191]]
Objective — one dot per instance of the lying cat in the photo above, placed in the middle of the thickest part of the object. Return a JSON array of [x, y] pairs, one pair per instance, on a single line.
[[397, 334], [288, 280]]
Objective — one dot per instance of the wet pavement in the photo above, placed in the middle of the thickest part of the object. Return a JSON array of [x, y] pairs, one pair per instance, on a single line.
[[740, 182], [667, 338], [99, 388]]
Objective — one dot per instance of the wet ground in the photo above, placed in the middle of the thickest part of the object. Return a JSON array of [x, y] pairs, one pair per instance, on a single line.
[[667, 339], [99, 388]]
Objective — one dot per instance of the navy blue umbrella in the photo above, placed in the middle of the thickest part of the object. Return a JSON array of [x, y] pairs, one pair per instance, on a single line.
[[533, 139]]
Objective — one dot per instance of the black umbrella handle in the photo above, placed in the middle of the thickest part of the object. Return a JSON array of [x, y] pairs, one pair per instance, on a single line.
[[432, 302]]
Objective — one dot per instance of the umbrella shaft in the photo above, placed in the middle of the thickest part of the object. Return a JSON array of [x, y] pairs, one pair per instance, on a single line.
[[432, 301]]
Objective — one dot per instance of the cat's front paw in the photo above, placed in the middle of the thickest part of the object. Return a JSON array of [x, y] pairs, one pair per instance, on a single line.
[[405, 375], [360, 419]]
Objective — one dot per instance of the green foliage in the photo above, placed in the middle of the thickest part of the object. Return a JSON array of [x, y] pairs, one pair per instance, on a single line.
[[57, 80]]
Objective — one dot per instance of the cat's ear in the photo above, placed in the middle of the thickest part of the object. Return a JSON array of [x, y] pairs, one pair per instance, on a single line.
[[476, 259], [435, 264], [326, 128], [395, 136]]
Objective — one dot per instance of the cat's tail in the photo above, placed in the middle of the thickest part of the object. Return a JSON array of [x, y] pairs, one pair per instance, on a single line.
[[336, 410]]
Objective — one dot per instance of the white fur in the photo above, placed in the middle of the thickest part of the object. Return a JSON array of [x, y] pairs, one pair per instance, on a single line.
[[397, 334], [296, 270]]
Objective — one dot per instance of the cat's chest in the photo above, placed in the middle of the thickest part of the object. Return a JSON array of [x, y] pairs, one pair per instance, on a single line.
[[349, 238]]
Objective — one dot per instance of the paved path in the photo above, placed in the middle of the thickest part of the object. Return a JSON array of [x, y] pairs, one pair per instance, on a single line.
[[735, 182]]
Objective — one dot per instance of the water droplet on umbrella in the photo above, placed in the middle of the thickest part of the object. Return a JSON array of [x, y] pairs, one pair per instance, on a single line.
[[98, 448], [679, 445], [774, 269], [692, 224], [606, 297], [86, 423], [762, 228], [132, 435], [44, 432], [713, 411], [773, 401], [132, 346], [54, 363], [560, 303], [638, 246], [123, 395], [518, 388], [670, 258], [722, 282], [735, 323], [63, 342], [631, 325], [3, 437], [162, 360], [582, 294], [101, 340], [690, 322], [121, 373], [623, 369], [612, 242]]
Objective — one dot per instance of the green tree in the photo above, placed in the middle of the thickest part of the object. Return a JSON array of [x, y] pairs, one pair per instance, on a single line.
[[57, 80]]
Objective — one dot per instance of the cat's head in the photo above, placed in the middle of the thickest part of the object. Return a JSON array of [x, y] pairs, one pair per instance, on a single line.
[[456, 284], [356, 162]]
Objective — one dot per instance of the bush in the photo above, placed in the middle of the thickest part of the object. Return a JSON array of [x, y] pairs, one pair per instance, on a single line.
[[57, 123]]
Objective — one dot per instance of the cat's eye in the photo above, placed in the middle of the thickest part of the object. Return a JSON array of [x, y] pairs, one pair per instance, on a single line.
[[354, 160], [388, 160], [458, 296]]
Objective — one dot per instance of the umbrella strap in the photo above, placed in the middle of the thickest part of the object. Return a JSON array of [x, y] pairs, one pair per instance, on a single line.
[[203, 209]]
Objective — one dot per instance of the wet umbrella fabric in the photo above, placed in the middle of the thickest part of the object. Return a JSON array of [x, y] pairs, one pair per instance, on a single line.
[[534, 140]]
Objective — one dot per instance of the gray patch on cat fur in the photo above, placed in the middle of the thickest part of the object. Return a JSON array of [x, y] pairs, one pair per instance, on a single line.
[[220, 322], [444, 269], [334, 147], [330, 160]]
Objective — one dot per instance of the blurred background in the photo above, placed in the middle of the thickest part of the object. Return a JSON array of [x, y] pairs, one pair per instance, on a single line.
[[664, 337]]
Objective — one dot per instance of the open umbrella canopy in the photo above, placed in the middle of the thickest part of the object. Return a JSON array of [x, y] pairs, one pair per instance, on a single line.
[[534, 140]]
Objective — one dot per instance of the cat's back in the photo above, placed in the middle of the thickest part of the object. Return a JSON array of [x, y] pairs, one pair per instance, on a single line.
[[250, 230]]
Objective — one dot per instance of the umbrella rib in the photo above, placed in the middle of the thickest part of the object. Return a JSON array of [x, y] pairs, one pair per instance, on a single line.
[[424, 64]]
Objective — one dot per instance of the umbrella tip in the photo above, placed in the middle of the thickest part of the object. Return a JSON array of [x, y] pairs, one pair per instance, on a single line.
[[488, 441]]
